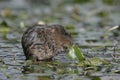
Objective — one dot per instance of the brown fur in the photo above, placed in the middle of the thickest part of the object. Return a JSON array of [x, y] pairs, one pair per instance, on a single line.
[[42, 42]]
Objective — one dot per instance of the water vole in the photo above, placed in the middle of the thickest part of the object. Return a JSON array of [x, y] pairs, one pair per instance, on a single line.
[[42, 42]]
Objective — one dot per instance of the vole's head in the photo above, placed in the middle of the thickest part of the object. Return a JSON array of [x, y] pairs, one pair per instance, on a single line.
[[61, 36]]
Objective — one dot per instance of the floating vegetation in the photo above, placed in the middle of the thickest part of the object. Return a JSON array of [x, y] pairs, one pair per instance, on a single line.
[[81, 1], [102, 14], [70, 27], [93, 62], [75, 52], [7, 13], [110, 2], [4, 29], [97, 56]]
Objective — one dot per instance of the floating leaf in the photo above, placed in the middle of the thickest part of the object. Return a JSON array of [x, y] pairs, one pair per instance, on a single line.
[[70, 27], [75, 52], [75, 17], [102, 14], [73, 33], [109, 2], [4, 29], [113, 28], [117, 71], [6, 12], [93, 62], [71, 53], [78, 53], [44, 78], [81, 1], [96, 78], [72, 71], [4, 23], [22, 24]]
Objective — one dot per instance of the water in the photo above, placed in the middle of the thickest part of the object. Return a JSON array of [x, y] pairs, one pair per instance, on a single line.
[[91, 22]]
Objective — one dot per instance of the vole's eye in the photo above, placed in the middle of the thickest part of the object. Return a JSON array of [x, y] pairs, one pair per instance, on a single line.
[[65, 47], [67, 34]]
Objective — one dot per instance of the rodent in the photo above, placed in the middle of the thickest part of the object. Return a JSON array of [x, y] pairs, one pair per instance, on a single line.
[[42, 42]]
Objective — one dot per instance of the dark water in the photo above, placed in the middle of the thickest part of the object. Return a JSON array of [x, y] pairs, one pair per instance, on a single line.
[[89, 23]]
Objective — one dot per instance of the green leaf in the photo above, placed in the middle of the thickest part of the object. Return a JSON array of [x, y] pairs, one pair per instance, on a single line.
[[4, 23], [70, 27], [78, 53], [71, 53], [75, 52], [4, 29], [93, 62]]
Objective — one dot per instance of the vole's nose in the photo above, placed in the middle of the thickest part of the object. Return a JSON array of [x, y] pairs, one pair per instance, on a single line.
[[65, 48]]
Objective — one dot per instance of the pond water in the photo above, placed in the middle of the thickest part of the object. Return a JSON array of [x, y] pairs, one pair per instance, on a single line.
[[91, 24]]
